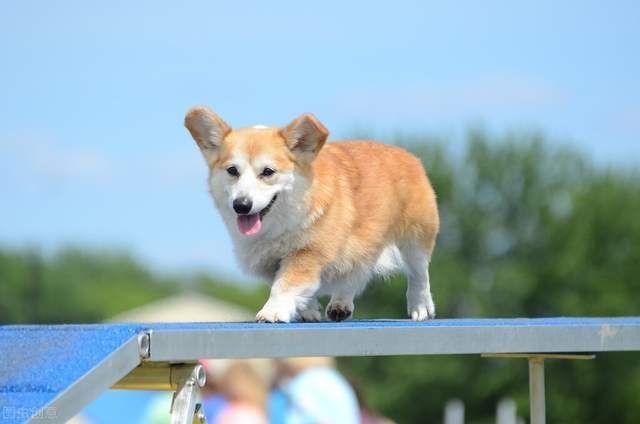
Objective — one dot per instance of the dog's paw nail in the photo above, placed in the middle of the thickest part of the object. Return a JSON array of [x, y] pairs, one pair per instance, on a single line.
[[262, 317], [421, 307], [422, 314], [272, 311], [310, 316], [273, 315], [338, 313]]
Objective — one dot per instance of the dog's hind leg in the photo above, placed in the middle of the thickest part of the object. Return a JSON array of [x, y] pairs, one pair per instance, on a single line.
[[419, 300], [311, 311]]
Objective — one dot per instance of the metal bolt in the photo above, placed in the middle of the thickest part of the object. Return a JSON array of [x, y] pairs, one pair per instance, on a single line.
[[144, 345], [200, 375]]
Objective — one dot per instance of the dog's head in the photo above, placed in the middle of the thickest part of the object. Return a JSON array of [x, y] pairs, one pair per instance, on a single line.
[[250, 168]]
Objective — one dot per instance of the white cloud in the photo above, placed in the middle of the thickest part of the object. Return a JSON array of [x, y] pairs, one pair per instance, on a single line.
[[461, 99], [506, 91], [44, 163], [28, 158]]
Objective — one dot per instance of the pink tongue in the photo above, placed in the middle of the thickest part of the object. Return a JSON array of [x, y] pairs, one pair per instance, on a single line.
[[249, 225]]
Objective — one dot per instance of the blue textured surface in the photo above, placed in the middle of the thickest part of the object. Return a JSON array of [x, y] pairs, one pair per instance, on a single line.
[[466, 322], [39, 362]]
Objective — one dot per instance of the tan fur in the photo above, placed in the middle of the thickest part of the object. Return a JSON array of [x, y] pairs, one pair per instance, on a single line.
[[368, 195], [362, 196]]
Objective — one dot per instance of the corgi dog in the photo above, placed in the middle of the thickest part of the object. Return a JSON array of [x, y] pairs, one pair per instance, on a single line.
[[318, 219]]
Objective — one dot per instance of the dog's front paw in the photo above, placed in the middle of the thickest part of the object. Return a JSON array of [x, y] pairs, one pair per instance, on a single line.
[[420, 307], [339, 311], [281, 310]]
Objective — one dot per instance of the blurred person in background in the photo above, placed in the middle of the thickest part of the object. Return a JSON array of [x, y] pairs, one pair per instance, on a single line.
[[235, 393], [213, 403], [311, 390], [367, 414], [245, 393]]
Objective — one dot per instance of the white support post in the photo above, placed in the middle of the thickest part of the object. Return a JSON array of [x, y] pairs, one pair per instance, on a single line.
[[536, 377], [536, 390], [506, 412], [454, 412]]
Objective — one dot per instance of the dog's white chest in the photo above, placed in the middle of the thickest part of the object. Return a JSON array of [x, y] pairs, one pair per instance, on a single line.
[[262, 256]]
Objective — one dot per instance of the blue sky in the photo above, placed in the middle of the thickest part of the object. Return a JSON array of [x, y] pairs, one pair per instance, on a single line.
[[92, 148]]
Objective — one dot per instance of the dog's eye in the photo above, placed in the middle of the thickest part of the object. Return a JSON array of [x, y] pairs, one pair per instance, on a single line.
[[232, 170], [267, 172]]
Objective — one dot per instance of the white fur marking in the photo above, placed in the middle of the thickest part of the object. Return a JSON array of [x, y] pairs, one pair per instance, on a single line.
[[284, 303], [389, 261]]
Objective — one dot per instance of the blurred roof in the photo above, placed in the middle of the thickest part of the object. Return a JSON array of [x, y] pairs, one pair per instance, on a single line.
[[185, 307]]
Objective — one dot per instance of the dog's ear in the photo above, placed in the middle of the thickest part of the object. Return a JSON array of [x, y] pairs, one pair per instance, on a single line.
[[207, 129], [305, 136]]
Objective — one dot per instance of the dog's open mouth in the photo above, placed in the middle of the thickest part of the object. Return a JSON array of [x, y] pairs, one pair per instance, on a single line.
[[251, 224]]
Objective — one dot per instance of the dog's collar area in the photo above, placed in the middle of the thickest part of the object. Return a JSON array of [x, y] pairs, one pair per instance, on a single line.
[[266, 209]]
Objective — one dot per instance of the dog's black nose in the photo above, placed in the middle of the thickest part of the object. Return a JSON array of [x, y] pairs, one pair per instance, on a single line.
[[242, 205]]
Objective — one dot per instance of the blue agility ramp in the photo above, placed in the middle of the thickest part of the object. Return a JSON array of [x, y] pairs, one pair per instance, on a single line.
[[49, 373]]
